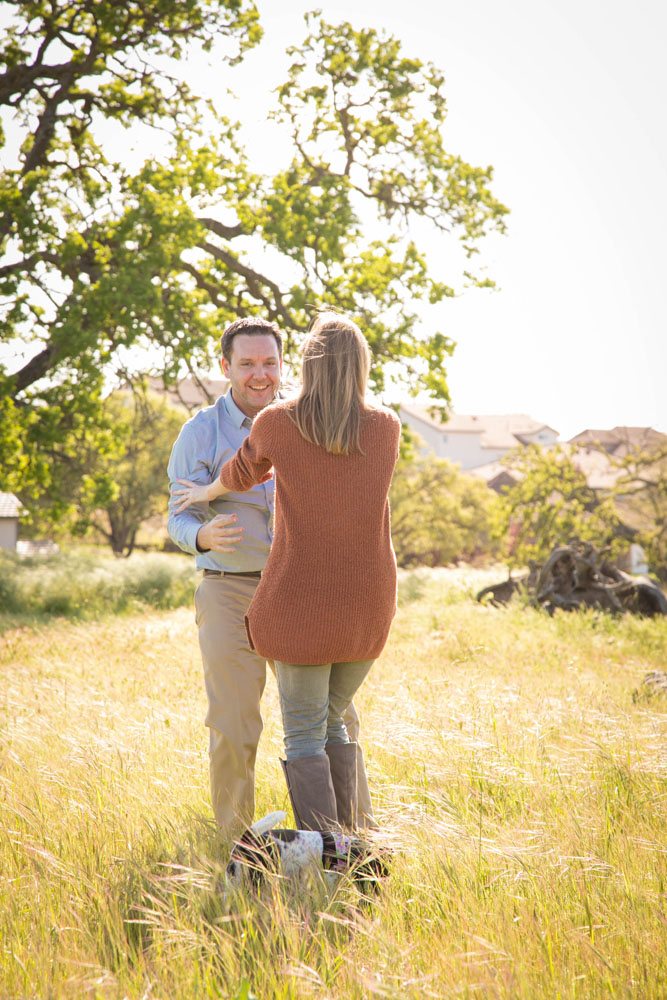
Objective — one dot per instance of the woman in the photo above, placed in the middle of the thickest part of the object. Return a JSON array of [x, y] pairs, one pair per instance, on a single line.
[[324, 605]]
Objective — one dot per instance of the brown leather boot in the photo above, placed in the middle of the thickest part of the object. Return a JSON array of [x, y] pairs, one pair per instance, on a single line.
[[365, 815], [311, 792], [343, 764]]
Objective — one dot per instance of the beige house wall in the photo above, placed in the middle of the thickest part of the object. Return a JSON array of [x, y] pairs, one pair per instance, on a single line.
[[9, 533]]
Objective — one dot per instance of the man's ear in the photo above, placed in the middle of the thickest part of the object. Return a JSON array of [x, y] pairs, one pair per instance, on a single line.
[[224, 366]]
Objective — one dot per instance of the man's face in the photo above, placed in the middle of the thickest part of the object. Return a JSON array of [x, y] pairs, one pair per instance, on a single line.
[[254, 371]]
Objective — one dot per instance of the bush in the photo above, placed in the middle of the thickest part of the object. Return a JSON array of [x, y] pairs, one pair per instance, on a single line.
[[9, 598], [439, 514], [89, 586]]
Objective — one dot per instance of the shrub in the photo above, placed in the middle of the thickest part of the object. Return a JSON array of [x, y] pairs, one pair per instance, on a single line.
[[439, 515], [76, 585]]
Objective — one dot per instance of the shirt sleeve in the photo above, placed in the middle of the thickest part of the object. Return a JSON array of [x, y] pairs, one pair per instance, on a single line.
[[185, 463], [252, 463]]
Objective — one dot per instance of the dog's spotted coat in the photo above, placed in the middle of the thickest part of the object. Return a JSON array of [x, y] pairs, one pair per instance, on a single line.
[[264, 848]]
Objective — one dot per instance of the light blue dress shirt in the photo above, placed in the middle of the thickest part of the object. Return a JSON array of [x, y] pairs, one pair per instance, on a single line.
[[206, 442]]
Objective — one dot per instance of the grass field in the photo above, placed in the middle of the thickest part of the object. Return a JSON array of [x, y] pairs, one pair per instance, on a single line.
[[519, 779]]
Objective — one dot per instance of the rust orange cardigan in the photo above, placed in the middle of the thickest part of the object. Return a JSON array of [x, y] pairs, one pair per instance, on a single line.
[[328, 593]]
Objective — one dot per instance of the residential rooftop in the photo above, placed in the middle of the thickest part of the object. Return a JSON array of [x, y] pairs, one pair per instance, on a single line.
[[10, 506], [620, 440], [191, 392], [496, 430]]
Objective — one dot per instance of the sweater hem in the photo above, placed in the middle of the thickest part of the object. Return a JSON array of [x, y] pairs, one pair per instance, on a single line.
[[313, 657]]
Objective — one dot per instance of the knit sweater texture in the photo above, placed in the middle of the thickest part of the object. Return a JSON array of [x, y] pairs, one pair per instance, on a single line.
[[328, 592]]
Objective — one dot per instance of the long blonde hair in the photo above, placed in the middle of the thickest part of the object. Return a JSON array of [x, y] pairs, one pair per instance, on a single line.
[[335, 364]]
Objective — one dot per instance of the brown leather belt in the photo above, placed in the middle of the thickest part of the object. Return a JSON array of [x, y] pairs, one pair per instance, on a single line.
[[227, 572]]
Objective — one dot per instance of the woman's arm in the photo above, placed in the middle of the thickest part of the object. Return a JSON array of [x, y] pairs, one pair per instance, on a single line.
[[252, 463], [196, 493], [248, 467]]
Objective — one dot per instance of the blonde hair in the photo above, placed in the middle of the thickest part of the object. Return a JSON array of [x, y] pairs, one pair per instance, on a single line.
[[335, 364]]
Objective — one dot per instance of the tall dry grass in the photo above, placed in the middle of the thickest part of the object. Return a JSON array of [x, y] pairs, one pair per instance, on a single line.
[[519, 779]]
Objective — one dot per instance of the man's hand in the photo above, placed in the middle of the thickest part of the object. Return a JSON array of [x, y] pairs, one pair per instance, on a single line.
[[219, 534]]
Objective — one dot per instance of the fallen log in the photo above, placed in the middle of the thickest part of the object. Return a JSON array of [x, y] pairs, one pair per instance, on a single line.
[[502, 593], [577, 575]]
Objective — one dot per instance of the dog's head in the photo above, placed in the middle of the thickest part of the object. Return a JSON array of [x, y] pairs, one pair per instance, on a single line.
[[253, 855]]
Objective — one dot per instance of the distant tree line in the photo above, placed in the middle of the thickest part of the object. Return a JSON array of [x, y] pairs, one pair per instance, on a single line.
[[440, 515]]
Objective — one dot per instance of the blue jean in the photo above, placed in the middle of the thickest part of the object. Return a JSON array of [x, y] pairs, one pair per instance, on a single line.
[[312, 700]]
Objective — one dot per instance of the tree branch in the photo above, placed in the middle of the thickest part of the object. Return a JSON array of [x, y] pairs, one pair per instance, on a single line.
[[255, 280], [206, 286], [27, 264], [35, 369], [225, 232]]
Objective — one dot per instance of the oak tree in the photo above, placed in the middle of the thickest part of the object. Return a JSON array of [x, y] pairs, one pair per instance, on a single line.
[[100, 257]]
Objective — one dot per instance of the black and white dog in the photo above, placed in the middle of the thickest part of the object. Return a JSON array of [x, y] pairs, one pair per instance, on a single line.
[[265, 848]]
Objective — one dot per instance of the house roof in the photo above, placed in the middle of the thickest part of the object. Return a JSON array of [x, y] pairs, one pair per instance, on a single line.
[[488, 471], [190, 392], [595, 465], [497, 431], [620, 440], [496, 475], [10, 506]]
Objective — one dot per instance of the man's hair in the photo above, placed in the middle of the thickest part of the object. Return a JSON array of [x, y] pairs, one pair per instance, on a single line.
[[334, 374], [253, 326]]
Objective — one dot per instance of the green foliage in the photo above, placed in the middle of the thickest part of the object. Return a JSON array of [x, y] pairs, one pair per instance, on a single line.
[[115, 475], [91, 253], [99, 257], [438, 514], [90, 586], [410, 587], [553, 504], [641, 498], [144, 427]]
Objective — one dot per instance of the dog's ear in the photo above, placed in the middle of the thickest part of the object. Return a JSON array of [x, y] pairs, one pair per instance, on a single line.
[[233, 872], [256, 854]]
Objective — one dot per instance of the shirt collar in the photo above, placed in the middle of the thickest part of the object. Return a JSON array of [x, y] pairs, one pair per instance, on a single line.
[[237, 417]]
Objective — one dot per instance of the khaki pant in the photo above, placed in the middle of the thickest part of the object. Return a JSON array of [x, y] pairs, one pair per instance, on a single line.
[[235, 677]]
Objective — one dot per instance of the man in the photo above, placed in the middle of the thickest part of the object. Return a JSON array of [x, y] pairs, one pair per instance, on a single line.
[[231, 542]]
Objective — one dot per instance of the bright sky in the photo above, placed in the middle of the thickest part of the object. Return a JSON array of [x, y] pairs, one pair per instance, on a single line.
[[565, 98]]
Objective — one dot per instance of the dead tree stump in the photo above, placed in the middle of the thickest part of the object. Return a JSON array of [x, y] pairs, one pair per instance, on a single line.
[[576, 576]]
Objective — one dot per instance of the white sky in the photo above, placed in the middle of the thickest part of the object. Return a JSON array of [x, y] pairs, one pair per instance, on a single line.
[[565, 99]]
